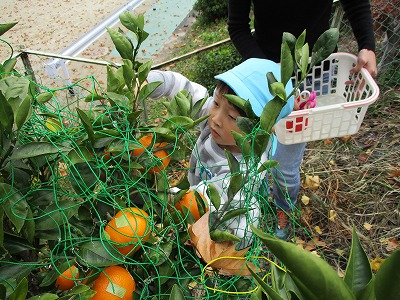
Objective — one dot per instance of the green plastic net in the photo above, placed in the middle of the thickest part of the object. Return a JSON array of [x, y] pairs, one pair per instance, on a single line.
[[85, 186], [84, 168]]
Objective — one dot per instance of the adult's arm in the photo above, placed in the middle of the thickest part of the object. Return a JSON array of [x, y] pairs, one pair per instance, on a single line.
[[358, 13], [240, 31]]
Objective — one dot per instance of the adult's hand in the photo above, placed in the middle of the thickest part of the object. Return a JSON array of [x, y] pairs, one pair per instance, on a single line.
[[366, 59]]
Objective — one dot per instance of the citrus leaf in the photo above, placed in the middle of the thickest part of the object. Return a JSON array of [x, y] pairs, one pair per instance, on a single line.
[[98, 254], [14, 205], [214, 196], [176, 293], [387, 278], [34, 149], [6, 114], [358, 270], [122, 44], [316, 276], [44, 97], [21, 290], [265, 287], [286, 63], [223, 236], [5, 27]]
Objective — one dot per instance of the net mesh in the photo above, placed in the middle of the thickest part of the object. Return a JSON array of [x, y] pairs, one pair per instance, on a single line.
[[75, 192]]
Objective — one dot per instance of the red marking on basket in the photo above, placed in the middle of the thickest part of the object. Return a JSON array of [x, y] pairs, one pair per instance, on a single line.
[[298, 124]]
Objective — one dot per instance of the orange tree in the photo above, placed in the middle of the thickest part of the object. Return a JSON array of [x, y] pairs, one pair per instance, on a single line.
[[66, 172]]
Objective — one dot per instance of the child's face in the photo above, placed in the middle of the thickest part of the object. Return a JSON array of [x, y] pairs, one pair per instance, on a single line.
[[222, 121]]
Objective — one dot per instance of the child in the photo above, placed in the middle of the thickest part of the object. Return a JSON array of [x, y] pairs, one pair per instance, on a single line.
[[208, 162]]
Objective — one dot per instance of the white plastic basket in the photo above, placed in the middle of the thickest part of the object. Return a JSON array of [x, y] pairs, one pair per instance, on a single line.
[[341, 106]]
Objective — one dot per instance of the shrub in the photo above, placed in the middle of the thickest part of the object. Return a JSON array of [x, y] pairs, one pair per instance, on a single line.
[[214, 62], [210, 10]]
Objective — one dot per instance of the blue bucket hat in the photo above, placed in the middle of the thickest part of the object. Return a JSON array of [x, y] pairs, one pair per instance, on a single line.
[[249, 81]]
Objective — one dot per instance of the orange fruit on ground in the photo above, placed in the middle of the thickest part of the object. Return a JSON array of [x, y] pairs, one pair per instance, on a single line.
[[146, 141], [128, 229], [189, 201], [67, 279], [118, 284]]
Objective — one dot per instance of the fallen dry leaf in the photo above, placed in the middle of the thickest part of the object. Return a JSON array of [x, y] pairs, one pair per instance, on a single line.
[[328, 141], [346, 138], [332, 215], [367, 226], [305, 199], [393, 244], [395, 173], [376, 263], [311, 182], [318, 229], [221, 256]]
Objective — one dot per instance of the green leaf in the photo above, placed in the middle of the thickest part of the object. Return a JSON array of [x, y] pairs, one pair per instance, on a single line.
[[80, 155], [235, 184], [143, 71], [264, 286], [9, 64], [286, 63], [21, 291], [34, 149], [14, 87], [17, 271], [317, 277], [22, 110], [84, 177], [243, 143], [98, 254], [45, 296], [57, 214], [183, 183], [298, 46], [233, 213], [122, 43], [368, 293], [223, 236], [324, 46], [260, 143], [387, 278], [180, 105], [233, 163], [160, 254], [5, 27], [358, 270], [214, 196], [290, 40], [128, 73], [243, 104], [197, 107], [44, 97], [86, 124], [147, 90], [115, 81], [179, 122], [6, 114], [267, 165], [305, 52], [14, 205], [176, 293], [270, 114], [245, 124], [278, 89], [278, 278]]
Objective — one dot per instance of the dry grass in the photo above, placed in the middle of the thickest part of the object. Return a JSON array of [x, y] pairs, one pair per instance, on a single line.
[[360, 183]]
